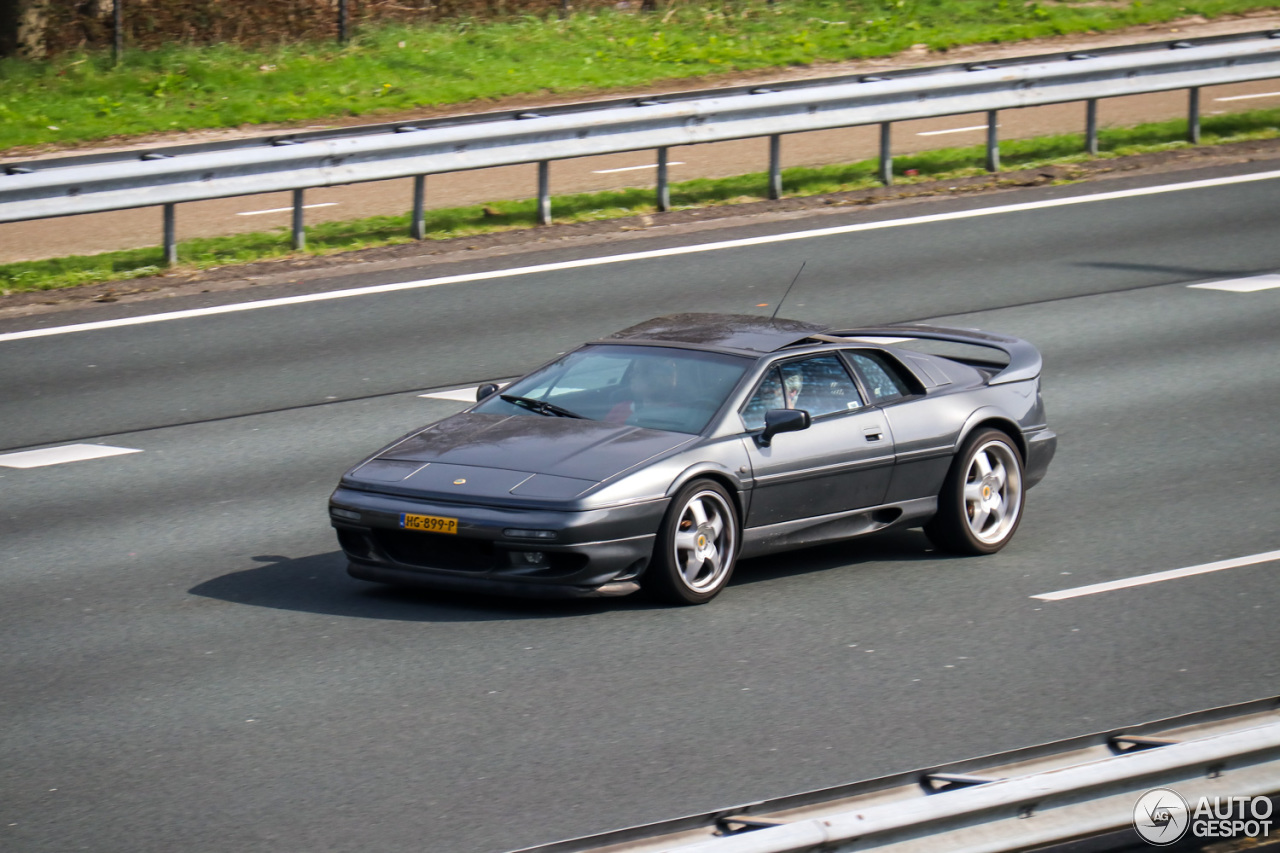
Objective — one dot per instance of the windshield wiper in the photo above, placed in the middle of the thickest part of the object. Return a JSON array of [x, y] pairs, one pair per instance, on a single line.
[[542, 407]]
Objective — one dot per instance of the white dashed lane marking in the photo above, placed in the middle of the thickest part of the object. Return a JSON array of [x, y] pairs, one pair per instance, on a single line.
[[1157, 577], [287, 209], [464, 395], [1243, 285], [1249, 97], [634, 168], [969, 129], [873, 339], [461, 395], [59, 455]]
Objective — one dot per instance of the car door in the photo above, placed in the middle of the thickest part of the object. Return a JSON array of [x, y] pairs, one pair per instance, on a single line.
[[843, 461], [925, 426]]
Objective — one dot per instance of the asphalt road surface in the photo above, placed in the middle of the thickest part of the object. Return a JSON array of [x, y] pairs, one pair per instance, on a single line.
[[187, 666], [129, 229]]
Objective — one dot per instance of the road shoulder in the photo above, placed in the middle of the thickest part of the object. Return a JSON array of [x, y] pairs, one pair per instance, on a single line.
[[295, 276]]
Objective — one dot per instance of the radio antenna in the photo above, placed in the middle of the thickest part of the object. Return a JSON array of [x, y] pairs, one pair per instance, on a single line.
[[788, 293]]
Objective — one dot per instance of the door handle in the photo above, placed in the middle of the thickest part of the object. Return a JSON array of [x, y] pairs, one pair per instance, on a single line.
[[873, 433]]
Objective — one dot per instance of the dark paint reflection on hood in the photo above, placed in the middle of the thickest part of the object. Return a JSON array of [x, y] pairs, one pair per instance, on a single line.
[[565, 447]]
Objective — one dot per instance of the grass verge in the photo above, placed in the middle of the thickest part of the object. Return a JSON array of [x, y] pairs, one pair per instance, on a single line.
[[394, 69], [332, 237]]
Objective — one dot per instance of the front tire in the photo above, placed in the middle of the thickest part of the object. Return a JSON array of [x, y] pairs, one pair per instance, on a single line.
[[697, 545], [980, 505]]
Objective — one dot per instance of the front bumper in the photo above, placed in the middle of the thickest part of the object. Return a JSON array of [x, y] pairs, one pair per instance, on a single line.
[[591, 553]]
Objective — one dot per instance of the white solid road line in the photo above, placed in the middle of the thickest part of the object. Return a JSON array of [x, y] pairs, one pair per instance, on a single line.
[[953, 130], [1252, 284], [287, 209], [1157, 577], [640, 256], [59, 455], [634, 168]]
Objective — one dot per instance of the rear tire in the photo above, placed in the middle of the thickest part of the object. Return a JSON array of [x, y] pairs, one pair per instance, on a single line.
[[697, 545], [980, 505]]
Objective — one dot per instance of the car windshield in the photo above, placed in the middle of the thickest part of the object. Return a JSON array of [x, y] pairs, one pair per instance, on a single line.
[[651, 387]]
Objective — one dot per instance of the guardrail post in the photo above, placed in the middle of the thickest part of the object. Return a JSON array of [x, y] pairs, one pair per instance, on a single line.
[[299, 227], [418, 228], [117, 32], [170, 240], [1091, 127], [993, 142], [886, 154], [775, 166], [544, 192], [1193, 115], [664, 187]]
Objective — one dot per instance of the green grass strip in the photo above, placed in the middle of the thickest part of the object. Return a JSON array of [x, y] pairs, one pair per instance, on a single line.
[[393, 69], [332, 237]]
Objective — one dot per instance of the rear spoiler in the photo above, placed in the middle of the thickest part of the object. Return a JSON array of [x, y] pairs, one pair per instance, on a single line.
[[1024, 359]]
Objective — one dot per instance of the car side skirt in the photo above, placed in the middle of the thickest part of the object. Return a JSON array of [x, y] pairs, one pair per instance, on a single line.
[[804, 532]]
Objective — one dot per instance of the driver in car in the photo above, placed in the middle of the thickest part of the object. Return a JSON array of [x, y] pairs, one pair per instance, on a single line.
[[652, 387], [792, 384]]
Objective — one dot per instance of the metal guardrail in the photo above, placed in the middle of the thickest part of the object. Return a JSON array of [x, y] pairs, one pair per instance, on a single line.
[[294, 136], [297, 162], [1031, 798]]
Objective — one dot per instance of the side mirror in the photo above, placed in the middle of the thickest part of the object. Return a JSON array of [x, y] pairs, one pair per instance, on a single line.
[[782, 420], [486, 390]]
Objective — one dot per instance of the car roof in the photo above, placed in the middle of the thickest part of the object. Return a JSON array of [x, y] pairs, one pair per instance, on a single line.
[[735, 332]]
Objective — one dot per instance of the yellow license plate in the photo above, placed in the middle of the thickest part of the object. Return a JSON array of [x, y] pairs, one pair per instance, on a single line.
[[428, 523]]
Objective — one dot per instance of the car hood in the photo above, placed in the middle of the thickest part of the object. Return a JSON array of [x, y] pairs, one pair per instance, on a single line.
[[475, 456]]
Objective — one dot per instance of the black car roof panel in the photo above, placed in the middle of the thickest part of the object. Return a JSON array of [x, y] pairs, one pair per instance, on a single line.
[[726, 331]]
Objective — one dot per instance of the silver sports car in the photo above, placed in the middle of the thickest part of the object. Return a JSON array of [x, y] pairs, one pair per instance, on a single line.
[[658, 457]]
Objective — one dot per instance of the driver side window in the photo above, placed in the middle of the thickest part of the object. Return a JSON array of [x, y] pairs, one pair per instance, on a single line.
[[820, 385]]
